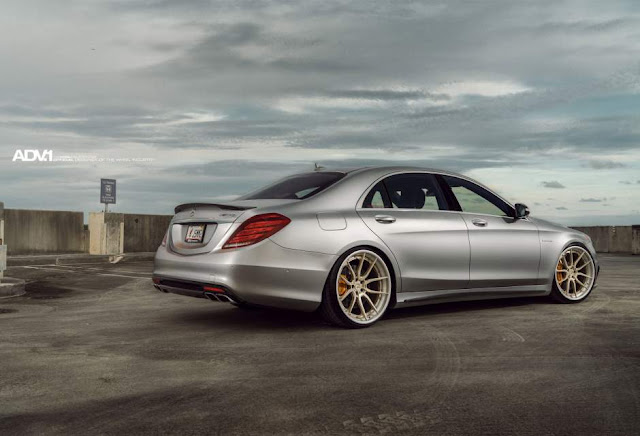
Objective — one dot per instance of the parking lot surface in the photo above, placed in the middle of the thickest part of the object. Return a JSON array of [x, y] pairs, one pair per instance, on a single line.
[[95, 349]]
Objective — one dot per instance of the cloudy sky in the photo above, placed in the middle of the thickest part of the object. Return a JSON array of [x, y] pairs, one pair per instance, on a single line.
[[196, 99]]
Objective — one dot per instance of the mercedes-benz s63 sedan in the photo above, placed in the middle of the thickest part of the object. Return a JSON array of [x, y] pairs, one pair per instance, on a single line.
[[354, 244]]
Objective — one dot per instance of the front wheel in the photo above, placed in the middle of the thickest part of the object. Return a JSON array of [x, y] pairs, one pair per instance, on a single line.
[[574, 276], [358, 290]]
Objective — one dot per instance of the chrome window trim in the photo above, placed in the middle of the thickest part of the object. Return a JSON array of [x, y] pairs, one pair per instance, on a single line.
[[359, 204]]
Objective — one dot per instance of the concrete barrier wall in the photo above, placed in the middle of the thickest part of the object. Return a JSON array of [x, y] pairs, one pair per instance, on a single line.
[[614, 239], [43, 231], [143, 233]]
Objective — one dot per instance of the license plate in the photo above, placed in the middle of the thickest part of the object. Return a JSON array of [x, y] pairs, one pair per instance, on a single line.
[[195, 233]]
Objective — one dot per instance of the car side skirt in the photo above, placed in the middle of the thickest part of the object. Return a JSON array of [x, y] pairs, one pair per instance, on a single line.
[[406, 299]]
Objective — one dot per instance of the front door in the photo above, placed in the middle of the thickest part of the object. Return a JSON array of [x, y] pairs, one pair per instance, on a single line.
[[505, 251]]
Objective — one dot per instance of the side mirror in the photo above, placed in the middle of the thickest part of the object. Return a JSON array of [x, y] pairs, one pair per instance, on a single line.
[[522, 211]]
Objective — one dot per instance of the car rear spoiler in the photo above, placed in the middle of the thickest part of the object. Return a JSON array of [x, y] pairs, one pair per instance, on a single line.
[[218, 205]]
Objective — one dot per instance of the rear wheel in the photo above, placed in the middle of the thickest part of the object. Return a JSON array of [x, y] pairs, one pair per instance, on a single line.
[[358, 290], [574, 276]]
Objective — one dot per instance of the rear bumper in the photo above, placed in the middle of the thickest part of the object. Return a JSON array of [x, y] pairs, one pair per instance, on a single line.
[[265, 274]]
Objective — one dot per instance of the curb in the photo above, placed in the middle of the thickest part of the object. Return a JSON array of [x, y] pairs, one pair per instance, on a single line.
[[10, 287]]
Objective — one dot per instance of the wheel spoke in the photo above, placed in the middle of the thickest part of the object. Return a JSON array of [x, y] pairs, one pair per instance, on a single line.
[[344, 279], [360, 265], [371, 291], [346, 294], [575, 263], [362, 311], [373, 306], [353, 303], [562, 281], [583, 274], [585, 265], [371, 265], [353, 273], [376, 279]]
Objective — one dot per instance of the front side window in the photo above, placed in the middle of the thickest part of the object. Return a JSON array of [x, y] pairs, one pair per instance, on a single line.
[[296, 187], [475, 199], [406, 191]]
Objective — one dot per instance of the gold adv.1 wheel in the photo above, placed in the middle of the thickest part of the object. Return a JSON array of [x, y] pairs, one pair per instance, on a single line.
[[574, 276], [358, 290]]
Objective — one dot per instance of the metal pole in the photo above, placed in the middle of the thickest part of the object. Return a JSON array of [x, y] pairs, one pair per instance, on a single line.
[[106, 208]]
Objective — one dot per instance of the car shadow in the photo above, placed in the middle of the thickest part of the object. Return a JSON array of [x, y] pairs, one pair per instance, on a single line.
[[260, 318], [263, 318], [464, 306]]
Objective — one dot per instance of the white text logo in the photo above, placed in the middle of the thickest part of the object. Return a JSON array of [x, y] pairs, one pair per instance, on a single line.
[[33, 155]]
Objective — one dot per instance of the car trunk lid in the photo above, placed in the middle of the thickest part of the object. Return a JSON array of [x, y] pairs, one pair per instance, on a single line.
[[197, 228]]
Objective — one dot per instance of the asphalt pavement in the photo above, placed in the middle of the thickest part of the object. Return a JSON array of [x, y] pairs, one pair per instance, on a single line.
[[95, 349]]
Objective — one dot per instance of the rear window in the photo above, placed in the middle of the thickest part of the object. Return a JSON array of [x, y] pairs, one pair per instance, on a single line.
[[296, 187]]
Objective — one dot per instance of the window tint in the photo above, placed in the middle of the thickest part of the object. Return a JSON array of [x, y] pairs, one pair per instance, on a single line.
[[475, 199], [296, 187], [377, 198], [407, 191]]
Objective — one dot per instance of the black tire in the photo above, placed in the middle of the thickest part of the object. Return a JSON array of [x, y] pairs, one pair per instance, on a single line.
[[330, 309], [557, 294]]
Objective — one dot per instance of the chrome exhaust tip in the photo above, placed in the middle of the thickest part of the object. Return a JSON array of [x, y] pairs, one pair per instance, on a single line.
[[211, 296], [223, 298]]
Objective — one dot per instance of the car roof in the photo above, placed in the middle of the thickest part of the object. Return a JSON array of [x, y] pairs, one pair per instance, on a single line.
[[382, 169]]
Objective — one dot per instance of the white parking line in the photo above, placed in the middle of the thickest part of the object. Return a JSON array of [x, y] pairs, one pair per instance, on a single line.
[[97, 271], [131, 277], [41, 267]]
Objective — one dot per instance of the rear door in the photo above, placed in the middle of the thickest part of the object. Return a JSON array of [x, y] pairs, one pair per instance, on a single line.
[[505, 251], [409, 213]]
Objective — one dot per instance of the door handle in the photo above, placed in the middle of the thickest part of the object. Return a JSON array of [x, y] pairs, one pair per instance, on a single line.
[[385, 219], [479, 223]]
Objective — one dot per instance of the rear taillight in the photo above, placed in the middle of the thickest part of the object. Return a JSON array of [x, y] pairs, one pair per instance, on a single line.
[[256, 229], [164, 240]]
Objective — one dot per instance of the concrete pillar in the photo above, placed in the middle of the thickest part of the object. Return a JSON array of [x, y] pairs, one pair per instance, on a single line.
[[635, 244], [3, 247], [106, 233]]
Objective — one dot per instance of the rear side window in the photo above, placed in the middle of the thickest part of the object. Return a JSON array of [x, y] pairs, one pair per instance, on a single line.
[[406, 191], [296, 187]]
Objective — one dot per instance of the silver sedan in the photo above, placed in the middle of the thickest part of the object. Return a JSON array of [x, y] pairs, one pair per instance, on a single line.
[[355, 244]]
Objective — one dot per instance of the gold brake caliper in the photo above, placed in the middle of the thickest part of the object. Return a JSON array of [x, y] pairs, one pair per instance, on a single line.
[[559, 271], [342, 285]]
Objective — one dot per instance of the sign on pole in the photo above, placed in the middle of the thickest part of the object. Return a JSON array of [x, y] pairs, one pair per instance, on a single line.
[[107, 191]]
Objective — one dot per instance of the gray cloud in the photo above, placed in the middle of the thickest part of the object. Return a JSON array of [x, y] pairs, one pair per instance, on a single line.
[[591, 200], [553, 185], [604, 164]]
